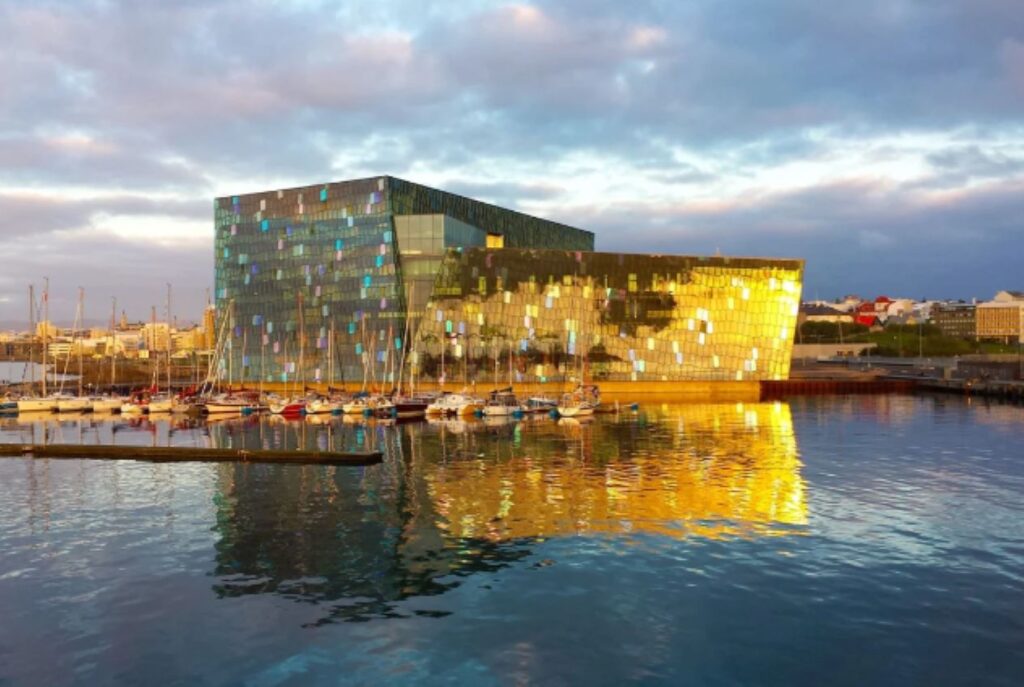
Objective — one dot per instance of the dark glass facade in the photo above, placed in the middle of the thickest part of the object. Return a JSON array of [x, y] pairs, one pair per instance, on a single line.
[[317, 281]]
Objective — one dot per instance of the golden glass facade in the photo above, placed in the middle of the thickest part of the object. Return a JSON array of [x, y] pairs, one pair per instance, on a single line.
[[549, 315]]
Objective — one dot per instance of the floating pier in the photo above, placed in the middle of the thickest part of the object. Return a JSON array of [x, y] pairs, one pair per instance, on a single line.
[[188, 454], [777, 389]]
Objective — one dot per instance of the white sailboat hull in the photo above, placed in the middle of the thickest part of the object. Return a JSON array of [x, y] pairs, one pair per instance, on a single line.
[[502, 411], [215, 408], [106, 405], [74, 405], [162, 406], [575, 411], [36, 405], [321, 406]]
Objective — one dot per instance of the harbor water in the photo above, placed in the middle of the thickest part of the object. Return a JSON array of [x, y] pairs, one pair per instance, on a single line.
[[831, 540]]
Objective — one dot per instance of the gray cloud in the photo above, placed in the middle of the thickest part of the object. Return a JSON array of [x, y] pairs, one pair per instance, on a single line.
[[153, 100], [35, 215], [858, 236]]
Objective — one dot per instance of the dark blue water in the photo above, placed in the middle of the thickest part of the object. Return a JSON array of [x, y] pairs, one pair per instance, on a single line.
[[862, 540]]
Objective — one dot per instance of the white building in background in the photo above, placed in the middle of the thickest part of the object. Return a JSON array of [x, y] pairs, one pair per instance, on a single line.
[[1002, 318]]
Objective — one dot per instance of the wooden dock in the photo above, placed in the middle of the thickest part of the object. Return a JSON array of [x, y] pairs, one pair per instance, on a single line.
[[1012, 391], [785, 388], [188, 454]]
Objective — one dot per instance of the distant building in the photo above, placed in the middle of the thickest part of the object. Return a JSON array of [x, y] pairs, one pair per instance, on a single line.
[[955, 319], [46, 329], [867, 315], [899, 307], [209, 328], [1009, 297], [1001, 319], [156, 336], [820, 312]]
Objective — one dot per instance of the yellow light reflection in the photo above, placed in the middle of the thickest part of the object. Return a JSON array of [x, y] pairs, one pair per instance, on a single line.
[[704, 470]]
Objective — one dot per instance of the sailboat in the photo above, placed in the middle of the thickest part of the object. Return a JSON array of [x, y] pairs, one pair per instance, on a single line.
[[364, 402], [407, 405], [68, 403], [294, 406], [503, 402], [111, 403], [43, 403], [585, 398]]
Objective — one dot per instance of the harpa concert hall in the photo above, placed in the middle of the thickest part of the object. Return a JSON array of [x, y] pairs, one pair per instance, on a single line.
[[349, 282]]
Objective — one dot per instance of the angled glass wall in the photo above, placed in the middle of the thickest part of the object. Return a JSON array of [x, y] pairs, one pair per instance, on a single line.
[[546, 315], [316, 280]]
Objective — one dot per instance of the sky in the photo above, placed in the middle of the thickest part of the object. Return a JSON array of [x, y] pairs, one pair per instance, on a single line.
[[882, 140]]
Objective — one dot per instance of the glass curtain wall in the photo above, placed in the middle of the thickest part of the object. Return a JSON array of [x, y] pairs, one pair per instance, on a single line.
[[309, 280], [542, 315], [315, 280]]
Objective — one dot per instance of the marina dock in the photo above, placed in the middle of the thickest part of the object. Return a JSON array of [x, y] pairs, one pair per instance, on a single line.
[[189, 454]]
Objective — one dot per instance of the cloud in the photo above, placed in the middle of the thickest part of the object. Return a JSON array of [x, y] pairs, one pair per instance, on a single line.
[[33, 214], [858, 135]]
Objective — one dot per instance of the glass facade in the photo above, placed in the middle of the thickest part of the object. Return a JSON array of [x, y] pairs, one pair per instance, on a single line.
[[344, 282], [548, 315], [317, 280]]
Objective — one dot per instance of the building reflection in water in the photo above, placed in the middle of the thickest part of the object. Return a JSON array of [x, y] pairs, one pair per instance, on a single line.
[[455, 498], [709, 470]]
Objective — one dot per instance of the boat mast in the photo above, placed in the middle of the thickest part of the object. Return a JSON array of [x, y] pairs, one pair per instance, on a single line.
[[263, 356], [230, 345], [169, 337], [389, 357], [405, 343], [113, 343], [330, 357], [245, 347], [78, 335], [366, 354], [302, 345], [152, 347], [31, 337], [46, 327]]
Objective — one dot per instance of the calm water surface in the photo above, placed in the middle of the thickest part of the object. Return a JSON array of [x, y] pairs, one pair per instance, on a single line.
[[861, 540]]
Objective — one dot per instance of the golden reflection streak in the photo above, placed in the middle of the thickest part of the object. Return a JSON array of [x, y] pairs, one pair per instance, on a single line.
[[708, 470]]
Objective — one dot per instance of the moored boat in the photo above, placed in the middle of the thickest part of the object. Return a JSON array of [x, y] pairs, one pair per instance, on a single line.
[[455, 404], [133, 408], [161, 404], [287, 407], [106, 404], [37, 404], [322, 405], [363, 403], [227, 405], [410, 407], [502, 402], [581, 401], [540, 404], [73, 404]]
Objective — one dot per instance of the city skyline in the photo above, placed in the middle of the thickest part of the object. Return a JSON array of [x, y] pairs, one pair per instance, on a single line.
[[882, 142]]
